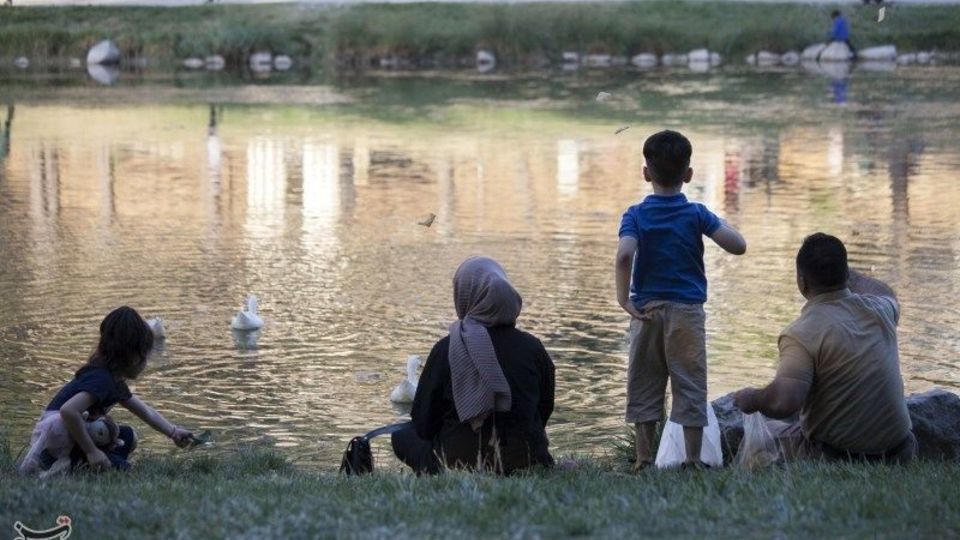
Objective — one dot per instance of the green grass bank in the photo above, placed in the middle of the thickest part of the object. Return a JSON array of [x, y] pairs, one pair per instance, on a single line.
[[259, 494], [449, 34]]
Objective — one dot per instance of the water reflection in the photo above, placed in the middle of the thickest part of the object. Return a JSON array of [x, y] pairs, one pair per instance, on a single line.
[[316, 213]]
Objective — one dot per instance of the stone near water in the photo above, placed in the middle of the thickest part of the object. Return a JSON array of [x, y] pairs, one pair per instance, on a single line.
[[598, 60], [214, 62], [813, 51], [21, 62], [671, 59], [884, 66], [703, 56], [836, 52], [936, 424], [883, 52], [935, 416], [106, 52], [790, 58], [282, 62], [570, 57], [906, 58], [486, 60], [763, 58], [103, 74], [644, 60], [261, 62], [193, 63]]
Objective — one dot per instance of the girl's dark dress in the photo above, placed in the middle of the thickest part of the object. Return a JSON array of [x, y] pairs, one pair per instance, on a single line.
[[437, 431]]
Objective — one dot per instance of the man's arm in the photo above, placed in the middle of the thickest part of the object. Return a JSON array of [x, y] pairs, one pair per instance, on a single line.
[[624, 268], [860, 283], [729, 239], [782, 398], [788, 392]]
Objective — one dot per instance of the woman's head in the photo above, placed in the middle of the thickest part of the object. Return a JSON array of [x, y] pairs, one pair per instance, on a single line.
[[125, 343], [482, 291]]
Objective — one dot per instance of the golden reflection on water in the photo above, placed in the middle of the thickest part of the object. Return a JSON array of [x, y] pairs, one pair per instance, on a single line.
[[181, 211]]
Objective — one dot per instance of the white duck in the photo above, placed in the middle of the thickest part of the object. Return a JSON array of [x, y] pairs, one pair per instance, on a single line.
[[406, 390], [156, 326], [248, 318]]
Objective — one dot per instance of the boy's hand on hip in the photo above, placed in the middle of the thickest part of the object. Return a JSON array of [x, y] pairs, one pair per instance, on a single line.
[[634, 312]]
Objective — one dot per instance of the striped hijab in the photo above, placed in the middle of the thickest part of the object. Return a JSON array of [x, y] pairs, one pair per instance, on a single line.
[[483, 298]]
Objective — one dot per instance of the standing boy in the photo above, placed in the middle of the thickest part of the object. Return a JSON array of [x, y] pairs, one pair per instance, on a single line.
[[661, 248]]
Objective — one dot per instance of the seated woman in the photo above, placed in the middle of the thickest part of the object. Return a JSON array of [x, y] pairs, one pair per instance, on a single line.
[[486, 391]]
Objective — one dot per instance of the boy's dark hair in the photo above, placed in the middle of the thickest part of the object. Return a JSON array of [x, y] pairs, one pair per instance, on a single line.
[[668, 157], [835, 14], [822, 261], [125, 342]]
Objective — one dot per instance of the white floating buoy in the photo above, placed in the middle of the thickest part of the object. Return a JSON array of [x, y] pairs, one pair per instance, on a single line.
[[406, 390], [248, 318]]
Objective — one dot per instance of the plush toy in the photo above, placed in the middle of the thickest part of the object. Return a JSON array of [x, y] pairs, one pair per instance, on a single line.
[[51, 441]]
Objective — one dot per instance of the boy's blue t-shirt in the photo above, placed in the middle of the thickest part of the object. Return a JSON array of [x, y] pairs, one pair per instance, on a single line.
[[668, 264], [99, 382]]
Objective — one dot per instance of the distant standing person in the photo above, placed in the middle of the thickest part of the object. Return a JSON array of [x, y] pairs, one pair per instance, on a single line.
[[839, 367], [841, 31], [661, 283]]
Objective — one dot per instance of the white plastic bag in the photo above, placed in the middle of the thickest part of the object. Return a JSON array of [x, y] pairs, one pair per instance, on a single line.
[[673, 451], [758, 448]]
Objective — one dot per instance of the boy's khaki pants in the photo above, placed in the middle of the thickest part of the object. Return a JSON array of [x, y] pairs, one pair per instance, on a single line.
[[669, 342]]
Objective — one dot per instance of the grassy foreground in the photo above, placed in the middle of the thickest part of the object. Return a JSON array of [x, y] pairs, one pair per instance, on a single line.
[[258, 494], [445, 34]]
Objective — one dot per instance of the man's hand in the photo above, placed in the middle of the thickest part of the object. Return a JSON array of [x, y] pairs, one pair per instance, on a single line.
[[97, 460], [744, 399]]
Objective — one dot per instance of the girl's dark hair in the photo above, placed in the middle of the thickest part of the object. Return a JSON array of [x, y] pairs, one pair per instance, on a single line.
[[125, 342]]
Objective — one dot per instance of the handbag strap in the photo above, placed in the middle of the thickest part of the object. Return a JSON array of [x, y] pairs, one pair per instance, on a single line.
[[386, 430]]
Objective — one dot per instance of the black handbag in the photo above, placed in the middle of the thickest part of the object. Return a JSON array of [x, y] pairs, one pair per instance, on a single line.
[[358, 458]]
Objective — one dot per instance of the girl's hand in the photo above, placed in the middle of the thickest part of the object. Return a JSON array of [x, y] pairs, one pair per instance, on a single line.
[[98, 461], [180, 436]]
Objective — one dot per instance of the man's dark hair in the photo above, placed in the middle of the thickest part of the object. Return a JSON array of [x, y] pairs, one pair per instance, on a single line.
[[668, 157], [835, 14], [822, 261]]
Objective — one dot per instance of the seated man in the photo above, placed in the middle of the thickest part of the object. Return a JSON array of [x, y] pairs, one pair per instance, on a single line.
[[839, 366]]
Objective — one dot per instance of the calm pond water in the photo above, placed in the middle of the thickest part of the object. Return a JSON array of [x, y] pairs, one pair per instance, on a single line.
[[180, 195]]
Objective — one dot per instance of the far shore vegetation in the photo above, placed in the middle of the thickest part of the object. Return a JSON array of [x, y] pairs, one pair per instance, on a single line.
[[259, 493], [438, 34]]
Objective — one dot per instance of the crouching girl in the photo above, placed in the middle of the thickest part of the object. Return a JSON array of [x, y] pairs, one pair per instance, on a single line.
[[121, 355]]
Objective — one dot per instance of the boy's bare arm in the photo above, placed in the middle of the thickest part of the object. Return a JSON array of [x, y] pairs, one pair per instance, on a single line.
[[729, 239], [624, 268]]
